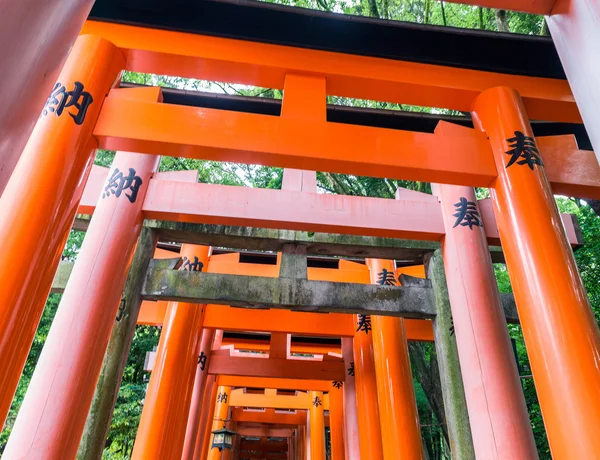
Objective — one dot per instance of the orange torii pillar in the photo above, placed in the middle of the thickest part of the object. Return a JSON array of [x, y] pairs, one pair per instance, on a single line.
[[161, 433], [220, 419], [351, 443], [208, 395], [561, 334], [40, 201], [399, 419], [497, 411], [62, 387], [40, 35], [210, 403], [369, 431], [316, 426], [301, 442], [195, 415], [336, 421]]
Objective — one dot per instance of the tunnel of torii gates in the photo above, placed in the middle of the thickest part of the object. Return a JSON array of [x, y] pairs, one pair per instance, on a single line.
[[336, 284]]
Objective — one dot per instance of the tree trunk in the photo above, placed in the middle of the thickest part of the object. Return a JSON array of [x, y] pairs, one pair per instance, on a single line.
[[502, 21]]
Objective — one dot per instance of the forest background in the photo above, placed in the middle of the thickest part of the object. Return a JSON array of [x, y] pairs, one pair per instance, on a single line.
[[127, 412]]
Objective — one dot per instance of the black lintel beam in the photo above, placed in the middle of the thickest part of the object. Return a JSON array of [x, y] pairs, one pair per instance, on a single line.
[[304, 28]]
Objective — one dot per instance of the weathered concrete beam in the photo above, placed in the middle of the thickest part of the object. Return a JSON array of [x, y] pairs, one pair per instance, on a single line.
[[65, 268], [263, 239], [289, 293]]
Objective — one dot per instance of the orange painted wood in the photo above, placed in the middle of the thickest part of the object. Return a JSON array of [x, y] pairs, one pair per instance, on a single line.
[[369, 430], [316, 426], [557, 321], [234, 61], [194, 132], [336, 419], [41, 36], [279, 383], [269, 416], [64, 380], [239, 398], [162, 428], [38, 207], [277, 368], [194, 421], [398, 416], [219, 421]]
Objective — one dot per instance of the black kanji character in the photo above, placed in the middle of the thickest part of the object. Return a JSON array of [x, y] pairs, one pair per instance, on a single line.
[[317, 402], [364, 323], [337, 384], [467, 214], [202, 360], [222, 397], [386, 278], [61, 99], [351, 369], [523, 146], [195, 266], [117, 183]]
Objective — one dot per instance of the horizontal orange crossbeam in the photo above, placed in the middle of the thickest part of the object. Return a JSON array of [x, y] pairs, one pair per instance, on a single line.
[[409, 217], [221, 135], [276, 368], [260, 431], [251, 63], [270, 416], [282, 384], [301, 401]]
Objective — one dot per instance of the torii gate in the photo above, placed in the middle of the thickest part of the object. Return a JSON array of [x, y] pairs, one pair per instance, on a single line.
[[41, 199]]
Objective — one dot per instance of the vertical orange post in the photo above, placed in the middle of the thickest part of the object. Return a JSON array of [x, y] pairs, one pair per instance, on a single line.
[[63, 384], [336, 421], [497, 411], [193, 423], [220, 418], [40, 36], [40, 201], [166, 407], [351, 443], [317, 426], [559, 328], [210, 402], [399, 419], [369, 431], [301, 442]]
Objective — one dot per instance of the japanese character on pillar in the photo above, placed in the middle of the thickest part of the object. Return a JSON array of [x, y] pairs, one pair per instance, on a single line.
[[317, 402], [523, 146], [337, 384], [61, 99], [386, 278], [351, 369], [117, 183], [202, 360], [466, 214], [222, 397], [451, 328], [364, 323], [195, 266]]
